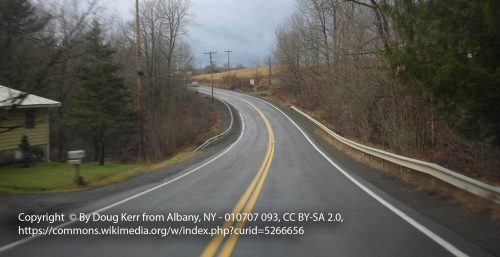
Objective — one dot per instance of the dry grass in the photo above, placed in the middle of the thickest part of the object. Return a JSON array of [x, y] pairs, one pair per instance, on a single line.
[[246, 73], [420, 181]]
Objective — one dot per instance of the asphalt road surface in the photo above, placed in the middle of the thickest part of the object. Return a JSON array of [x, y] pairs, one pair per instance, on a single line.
[[274, 171]]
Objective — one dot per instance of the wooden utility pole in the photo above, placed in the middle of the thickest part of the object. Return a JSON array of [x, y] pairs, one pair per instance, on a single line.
[[211, 72], [140, 90], [228, 58], [270, 71]]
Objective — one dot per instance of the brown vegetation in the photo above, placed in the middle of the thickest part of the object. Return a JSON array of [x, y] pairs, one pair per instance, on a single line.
[[246, 73], [332, 62], [420, 181]]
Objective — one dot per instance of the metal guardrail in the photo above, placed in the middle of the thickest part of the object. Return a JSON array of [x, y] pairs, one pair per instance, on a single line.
[[458, 180], [221, 135]]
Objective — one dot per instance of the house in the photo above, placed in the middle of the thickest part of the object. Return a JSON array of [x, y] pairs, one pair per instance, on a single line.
[[23, 114]]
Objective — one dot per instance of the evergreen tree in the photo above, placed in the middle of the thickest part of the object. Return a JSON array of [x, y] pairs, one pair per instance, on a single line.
[[24, 62], [452, 49], [103, 106]]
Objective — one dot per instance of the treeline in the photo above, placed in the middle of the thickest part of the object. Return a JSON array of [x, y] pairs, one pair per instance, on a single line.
[[72, 53], [420, 78]]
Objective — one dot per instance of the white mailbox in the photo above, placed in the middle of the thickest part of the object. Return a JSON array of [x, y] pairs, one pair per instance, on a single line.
[[75, 158], [76, 155]]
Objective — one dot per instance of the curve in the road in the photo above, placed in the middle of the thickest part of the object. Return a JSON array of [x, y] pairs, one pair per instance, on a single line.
[[65, 224], [298, 179], [436, 238], [248, 199]]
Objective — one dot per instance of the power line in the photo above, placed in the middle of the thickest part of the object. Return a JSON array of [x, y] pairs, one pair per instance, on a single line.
[[93, 6], [195, 43], [53, 45], [85, 55], [72, 14], [75, 15], [84, 24], [270, 69], [211, 72], [228, 59]]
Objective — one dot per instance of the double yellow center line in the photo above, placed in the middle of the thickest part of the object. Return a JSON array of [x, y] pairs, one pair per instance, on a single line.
[[249, 198]]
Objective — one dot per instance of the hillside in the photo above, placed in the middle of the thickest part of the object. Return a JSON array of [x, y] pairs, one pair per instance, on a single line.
[[246, 73]]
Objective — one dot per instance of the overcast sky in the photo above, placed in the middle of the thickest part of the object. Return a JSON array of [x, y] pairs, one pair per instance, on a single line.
[[244, 26]]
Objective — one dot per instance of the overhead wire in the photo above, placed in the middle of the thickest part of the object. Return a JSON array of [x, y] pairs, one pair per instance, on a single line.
[[58, 47], [76, 16], [220, 60]]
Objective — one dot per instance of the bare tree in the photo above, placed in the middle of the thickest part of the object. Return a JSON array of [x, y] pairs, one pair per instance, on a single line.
[[331, 57], [163, 23], [68, 25]]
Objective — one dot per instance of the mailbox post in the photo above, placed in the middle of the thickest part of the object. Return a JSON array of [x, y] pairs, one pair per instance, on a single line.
[[75, 158]]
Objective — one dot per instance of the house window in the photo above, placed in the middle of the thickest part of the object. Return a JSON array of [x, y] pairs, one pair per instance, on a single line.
[[30, 119]]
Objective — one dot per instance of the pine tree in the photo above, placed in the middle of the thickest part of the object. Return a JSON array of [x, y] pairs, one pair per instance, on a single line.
[[451, 48], [25, 63], [103, 106]]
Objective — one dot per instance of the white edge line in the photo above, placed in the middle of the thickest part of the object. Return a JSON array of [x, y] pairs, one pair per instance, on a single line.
[[484, 187], [436, 238], [27, 239]]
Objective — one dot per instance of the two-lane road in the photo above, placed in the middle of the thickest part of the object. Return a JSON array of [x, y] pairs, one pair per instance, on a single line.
[[272, 167]]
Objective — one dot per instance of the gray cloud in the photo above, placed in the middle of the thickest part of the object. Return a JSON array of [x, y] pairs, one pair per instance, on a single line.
[[245, 26]]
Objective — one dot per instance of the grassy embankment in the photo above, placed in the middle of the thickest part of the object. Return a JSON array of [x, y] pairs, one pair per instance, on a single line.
[[58, 176]]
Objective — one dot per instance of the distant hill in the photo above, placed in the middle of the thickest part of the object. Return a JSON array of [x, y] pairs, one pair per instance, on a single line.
[[246, 73]]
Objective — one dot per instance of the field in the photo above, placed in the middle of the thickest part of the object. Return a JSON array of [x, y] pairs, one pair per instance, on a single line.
[[246, 73]]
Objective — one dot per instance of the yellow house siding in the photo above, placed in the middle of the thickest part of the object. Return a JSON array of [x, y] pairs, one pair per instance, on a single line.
[[36, 135]]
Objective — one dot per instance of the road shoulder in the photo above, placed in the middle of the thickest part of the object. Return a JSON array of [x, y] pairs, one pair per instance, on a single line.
[[476, 227]]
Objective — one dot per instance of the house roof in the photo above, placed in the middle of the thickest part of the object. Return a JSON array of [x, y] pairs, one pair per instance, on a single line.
[[10, 97]]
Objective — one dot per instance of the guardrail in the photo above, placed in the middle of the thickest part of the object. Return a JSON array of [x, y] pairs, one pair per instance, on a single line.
[[458, 180], [221, 135]]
